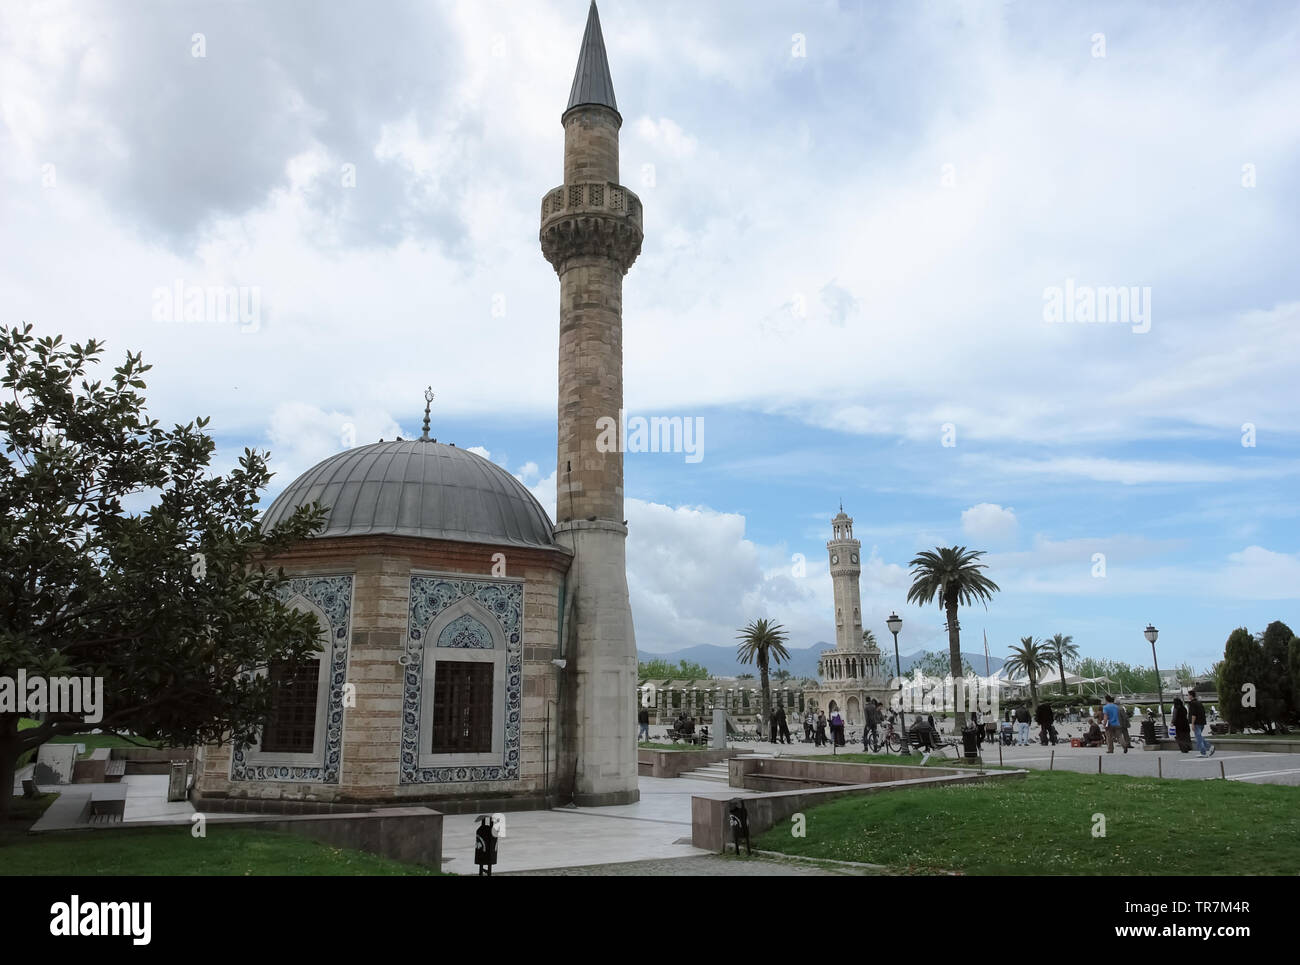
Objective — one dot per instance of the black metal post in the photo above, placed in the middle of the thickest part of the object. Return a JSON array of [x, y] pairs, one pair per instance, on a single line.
[[902, 716], [1160, 688]]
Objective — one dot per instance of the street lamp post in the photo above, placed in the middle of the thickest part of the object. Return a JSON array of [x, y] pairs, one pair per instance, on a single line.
[[1151, 633], [895, 623]]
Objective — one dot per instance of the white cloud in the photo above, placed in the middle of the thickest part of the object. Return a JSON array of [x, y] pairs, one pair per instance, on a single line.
[[301, 435], [1256, 573], [989, 523], [666, 136]]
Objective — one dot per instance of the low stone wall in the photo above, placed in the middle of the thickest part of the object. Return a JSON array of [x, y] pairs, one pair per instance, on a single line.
[[710, 827], [751, 773], [151, 760], [409, 834], [654, 763]]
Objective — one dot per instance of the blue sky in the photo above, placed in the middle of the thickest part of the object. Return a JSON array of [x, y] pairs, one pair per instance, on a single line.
[[853, 213]]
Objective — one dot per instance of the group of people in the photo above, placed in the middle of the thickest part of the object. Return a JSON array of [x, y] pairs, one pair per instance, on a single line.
[[815, 725], [1111, 721]]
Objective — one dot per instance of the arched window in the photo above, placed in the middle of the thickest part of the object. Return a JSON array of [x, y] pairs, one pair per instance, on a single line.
[[462, 697], [294, 732]]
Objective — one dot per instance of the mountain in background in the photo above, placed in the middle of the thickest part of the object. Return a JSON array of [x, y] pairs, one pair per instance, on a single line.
[[722, 662]]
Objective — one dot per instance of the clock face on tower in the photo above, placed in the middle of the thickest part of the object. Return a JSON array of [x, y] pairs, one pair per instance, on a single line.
[[853, 557], [835, 558]]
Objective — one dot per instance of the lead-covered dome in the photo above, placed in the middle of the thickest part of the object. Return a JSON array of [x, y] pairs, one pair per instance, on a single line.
[[417, 488]]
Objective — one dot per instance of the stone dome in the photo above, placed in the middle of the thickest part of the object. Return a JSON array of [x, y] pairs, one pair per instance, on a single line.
[[417, 488]]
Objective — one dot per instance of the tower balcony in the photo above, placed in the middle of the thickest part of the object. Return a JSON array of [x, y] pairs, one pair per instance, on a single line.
[[591, 218]]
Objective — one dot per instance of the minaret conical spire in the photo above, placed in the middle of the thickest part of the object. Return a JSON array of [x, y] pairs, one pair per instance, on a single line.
[[591, 81]]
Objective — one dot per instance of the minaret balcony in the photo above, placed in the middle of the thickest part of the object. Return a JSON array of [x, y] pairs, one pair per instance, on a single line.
[[591, 218]]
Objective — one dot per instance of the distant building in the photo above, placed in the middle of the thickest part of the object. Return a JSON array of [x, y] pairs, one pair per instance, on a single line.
[[851, 673]]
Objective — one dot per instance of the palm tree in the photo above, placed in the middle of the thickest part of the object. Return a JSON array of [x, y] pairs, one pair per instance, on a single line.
[[869, 639], [1061, 648], [951, 574], [781, 676], [1031, 659], [763, 643]]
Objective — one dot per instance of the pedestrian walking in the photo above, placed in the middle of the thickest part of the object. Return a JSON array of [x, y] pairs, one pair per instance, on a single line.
[[782, 728], [1043, 715], [820, 732], [1114, 731], [643, 719], [1196, 711]]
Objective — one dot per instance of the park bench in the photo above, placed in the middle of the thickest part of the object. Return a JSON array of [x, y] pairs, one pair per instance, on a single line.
[[916, 742], [114, 771], [690, 737]]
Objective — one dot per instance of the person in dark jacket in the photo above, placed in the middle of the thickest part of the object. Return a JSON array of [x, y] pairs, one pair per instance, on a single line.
[[1093, 736], [1182, 726], [1022, 725], [782, 728], [1043, 715], [643, 719], [820, 731], [1196, 711]]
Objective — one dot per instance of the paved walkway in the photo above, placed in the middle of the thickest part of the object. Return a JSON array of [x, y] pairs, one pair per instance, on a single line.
[[146, 800], [704, 865], [1253, 767], [655, 828]]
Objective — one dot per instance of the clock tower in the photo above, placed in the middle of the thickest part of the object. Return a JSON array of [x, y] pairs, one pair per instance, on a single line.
[[846, 567], [850, 674]]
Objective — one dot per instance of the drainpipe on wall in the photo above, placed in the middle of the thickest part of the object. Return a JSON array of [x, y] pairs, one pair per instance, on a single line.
[[566, 604]]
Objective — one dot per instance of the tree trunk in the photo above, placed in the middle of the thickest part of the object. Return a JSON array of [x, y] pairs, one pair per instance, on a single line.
[[954, 658], [767, 695], [1060, 665], [8, 766]]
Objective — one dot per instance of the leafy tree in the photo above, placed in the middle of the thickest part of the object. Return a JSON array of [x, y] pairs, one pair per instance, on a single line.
[[763, 643], [869, 639], [1275, 686], [660, 669], [1029, 658], [952, 576], [1061, 648], [781, 676], [935, 663], [1243, 663], [168, 601], [1293, 672]]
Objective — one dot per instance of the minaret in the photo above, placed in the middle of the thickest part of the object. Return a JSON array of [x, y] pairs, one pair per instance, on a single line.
[[846, 567], [591, 234]]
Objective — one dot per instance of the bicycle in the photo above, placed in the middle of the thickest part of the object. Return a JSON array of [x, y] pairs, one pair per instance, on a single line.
[[893, 741]]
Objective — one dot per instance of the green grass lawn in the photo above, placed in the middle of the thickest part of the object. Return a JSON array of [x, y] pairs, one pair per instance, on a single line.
[[1044, 825], [92, 741], [172, 851]]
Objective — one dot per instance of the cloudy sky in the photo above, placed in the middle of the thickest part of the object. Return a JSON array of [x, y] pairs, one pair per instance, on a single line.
[[858, 216]]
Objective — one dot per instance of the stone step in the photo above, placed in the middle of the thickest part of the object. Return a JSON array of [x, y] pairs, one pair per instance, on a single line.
[[719, 777]]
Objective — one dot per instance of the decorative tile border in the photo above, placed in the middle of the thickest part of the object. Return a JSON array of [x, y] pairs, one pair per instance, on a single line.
[[333, 596], [430, 595]]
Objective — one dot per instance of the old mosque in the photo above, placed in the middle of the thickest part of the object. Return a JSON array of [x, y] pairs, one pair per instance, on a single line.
[[475, 690]]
